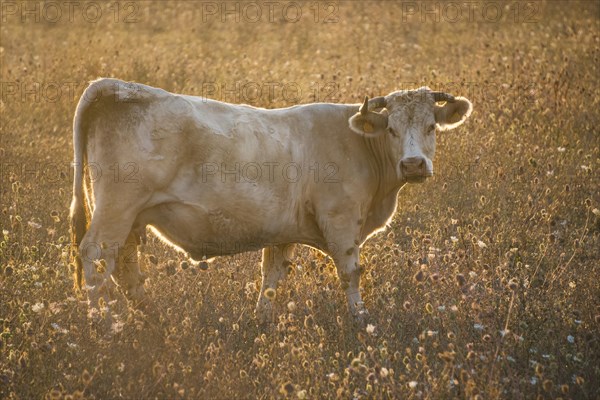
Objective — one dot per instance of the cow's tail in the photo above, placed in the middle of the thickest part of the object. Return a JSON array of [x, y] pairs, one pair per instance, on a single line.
[[80, 212]]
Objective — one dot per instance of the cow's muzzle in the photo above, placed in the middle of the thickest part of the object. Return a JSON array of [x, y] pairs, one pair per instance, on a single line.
[[414, 169]]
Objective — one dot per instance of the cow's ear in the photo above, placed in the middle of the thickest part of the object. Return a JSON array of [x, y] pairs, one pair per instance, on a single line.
[[371, 124], [452, 114]]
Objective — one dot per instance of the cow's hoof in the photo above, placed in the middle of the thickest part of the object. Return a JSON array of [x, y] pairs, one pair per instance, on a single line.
[[362, 319], [361, 315]]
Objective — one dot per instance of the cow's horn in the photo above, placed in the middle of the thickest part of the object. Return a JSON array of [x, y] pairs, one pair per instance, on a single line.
[[377, 102], [364, 109], [441, 96]]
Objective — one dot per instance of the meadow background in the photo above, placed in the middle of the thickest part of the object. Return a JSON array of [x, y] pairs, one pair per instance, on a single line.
[[485, 286]]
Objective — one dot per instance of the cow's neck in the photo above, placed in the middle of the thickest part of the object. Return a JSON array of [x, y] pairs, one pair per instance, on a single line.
[[384, 200], [383, 164]]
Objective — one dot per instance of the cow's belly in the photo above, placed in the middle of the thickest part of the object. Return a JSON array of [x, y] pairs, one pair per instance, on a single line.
[[217, 232]]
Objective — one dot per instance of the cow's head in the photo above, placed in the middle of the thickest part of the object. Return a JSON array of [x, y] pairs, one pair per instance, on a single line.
[[410, 119]]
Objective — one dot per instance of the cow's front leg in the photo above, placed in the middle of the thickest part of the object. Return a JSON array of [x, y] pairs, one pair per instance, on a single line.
[[343, 245], [274, 267], [348, 268]]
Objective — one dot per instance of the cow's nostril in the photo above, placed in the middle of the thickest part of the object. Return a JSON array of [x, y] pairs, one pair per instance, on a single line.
[[414, 167]]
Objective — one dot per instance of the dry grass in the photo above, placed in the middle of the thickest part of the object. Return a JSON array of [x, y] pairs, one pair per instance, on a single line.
[[507, 303]]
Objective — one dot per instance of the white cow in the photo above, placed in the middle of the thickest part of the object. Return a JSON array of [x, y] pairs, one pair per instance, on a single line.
[[216, 179]]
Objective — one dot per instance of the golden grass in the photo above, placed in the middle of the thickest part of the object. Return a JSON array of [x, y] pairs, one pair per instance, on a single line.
[[485, 286]]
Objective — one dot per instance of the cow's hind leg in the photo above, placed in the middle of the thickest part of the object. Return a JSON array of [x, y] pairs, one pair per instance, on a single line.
[[99, 251], [128, 274], [274, 267]]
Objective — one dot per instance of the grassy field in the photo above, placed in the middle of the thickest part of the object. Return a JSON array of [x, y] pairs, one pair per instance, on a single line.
[[485, 286]]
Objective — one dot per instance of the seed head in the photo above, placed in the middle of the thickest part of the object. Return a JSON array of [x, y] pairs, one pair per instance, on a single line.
[[420, 276], [287, 388], [86, 377], [309, 322], [270, 293], [447, 356], [55, 216], [291, 306], [539, 369]]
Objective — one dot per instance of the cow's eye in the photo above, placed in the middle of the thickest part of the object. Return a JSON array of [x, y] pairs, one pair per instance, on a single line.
[[431, 128], [393, 132]]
